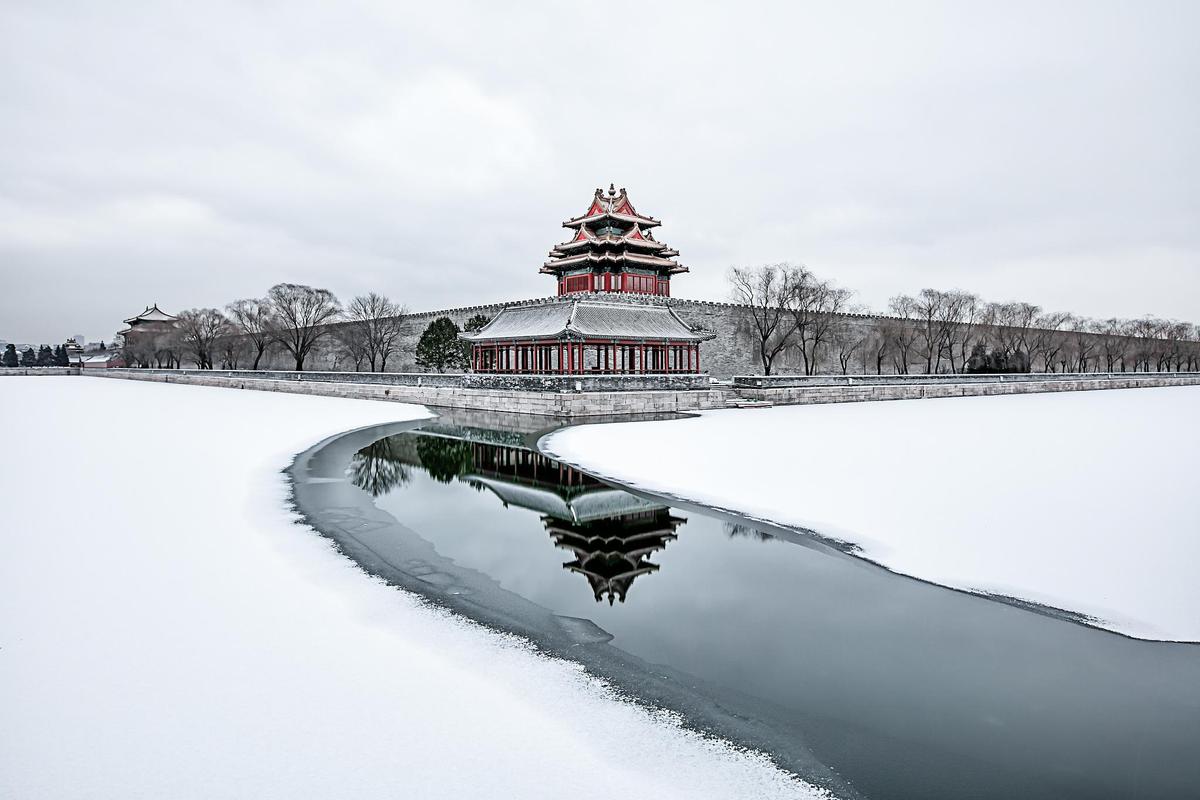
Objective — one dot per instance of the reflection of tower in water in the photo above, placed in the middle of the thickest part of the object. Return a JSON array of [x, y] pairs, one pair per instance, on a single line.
[[611, 532], [613, 551]]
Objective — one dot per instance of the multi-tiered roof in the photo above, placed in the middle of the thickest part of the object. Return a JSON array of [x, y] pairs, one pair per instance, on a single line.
[[152, 319], [612, 241]]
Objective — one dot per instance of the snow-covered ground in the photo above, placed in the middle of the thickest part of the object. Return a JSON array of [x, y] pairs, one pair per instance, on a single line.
[[1084, 501], [168, 631]]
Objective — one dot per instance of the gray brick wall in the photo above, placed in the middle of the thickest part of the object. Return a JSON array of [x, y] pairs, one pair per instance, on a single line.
[[734, 350]]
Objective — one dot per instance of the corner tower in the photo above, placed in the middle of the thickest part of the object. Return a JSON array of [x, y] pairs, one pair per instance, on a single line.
[[613, 250]]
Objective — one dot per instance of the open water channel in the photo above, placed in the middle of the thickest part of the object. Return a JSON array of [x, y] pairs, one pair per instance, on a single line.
[[859, 680]]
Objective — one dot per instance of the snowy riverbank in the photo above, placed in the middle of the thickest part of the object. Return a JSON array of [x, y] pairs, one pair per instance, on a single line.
[[166, 630], [1083, 501]]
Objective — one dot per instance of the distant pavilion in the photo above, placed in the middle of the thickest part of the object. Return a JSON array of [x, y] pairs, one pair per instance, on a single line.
[[612, 252]]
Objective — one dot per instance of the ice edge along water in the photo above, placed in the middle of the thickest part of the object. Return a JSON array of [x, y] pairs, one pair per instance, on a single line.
[[169, 630], [1079, 502]]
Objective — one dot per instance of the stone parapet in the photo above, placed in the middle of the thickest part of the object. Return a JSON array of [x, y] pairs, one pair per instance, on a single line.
[[482, 380], [525, 394], [791, 390], [434, 379], [562, 405], [38, 371]]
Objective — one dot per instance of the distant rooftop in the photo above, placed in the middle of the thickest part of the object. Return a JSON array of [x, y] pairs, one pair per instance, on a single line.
[[152, 314]]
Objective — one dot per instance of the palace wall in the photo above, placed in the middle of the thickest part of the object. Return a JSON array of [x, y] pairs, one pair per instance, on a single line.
[[733, 351]]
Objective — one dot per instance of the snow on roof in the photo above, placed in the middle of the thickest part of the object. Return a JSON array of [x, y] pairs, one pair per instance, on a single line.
[[597, 504], [614, 204], [586, 319], [151, 314]]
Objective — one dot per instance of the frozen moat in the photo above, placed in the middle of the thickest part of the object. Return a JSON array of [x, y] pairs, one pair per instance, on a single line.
[[862, 681]]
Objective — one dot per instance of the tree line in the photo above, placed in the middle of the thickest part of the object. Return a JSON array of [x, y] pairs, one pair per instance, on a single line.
[[46, 356], [793, 314], [294, 319]]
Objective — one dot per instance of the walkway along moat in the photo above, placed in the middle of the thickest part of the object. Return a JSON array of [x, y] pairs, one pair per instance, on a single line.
[[866, 682]]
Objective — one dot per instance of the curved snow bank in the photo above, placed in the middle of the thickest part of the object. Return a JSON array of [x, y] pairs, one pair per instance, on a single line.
[[1082, 501], [167, 631]]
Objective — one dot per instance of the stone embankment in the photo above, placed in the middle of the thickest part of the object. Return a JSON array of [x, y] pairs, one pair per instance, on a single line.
[[38, 371], [595, 395], [572, 397], [800, 390]]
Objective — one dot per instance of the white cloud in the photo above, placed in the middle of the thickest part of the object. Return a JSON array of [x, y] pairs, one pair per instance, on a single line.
[[431, 151]]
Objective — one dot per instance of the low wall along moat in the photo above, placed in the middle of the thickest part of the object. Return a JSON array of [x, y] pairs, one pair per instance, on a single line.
[[593, 396]]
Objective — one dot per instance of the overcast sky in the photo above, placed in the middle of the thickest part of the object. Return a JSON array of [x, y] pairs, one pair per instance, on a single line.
[[194, 154]]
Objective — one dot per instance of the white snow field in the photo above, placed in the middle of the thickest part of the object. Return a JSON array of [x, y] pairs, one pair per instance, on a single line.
[[1084, 501], [168, 631]]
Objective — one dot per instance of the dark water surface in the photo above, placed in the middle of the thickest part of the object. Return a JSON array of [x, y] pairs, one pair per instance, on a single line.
[[868, 683]]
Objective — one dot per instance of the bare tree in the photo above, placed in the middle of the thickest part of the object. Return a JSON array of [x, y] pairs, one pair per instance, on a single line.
[[815, 306], [959, 323], [926, 312], [1044, 339], [373, 326], [252, 319], [1011, 324], [1145, 349], [877, 346], [846, 338], [901, 332], [137, 350], [1080, 344], [1178, 336], [351, 341], [300, 317], [1114, 342], [765, 292], [232, 347], [167, 348], [199, 329]]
